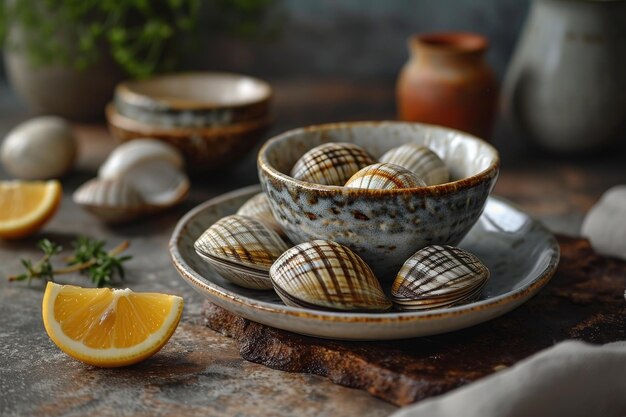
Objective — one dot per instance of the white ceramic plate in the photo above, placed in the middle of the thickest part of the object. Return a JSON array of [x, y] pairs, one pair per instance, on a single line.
[[521, 254]]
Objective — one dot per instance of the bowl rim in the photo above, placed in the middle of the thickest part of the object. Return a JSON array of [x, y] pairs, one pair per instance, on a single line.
[[125, 91], [491, 172], [124, 122]]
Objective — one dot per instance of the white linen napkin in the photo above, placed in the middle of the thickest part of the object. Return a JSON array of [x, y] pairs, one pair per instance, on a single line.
[[569, 379]]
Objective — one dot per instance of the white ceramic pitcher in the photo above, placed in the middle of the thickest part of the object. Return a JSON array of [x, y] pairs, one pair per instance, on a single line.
[[566, 85]]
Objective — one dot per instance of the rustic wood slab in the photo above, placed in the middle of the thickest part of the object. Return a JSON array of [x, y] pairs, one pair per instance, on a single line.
[[584, 300]]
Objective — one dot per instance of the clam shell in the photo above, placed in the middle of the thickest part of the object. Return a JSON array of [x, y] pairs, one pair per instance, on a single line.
[[41, 148], [438, 276], [161, 185], [331, 163], [322, 274], [419, 159], [258, 206], [242, 249], [384, 176], [113, 200], [137, 152]]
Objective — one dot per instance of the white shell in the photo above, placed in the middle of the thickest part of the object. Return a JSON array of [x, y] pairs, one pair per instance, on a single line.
[[160, 184], [421, 160], [242, 249], [259, 207], [382, 176], [41, 148], [438, 276], [136, 152], [149, 187], [605, 224], [322, 274], [331, 163], [113, 200]]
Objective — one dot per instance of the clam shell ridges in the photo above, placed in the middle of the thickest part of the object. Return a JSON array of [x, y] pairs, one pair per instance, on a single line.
[[242, 240], [325, 275], [438, 271], [258, 207], [331, 163], [419, 159], [114, 193], [241, 277], [384, 176]]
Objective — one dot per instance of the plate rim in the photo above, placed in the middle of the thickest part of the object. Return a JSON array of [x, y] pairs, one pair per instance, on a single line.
[[195, 279]]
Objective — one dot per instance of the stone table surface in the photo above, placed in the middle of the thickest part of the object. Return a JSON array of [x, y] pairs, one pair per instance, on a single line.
[[200, 372]]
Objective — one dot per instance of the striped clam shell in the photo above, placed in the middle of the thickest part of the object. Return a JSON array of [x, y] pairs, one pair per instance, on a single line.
[[325, 275], [258, 206], [438, 276], [331, 163], [421, 160], [112, 200], [242, 249], [384, 176]]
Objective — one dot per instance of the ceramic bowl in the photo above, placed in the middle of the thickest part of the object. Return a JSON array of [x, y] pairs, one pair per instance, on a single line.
[[385, 227], [204, 148], [202, 99]]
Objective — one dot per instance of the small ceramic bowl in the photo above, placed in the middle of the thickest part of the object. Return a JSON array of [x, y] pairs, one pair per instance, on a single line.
[[201, 99], [204, 148], [385, 227]]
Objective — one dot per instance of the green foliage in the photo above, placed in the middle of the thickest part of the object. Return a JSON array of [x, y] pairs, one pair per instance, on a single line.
[[89, 258], [103, 266], [138, 34], [43, 268]]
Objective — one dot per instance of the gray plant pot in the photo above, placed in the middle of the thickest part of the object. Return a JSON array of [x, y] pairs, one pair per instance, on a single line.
[[60, 89]]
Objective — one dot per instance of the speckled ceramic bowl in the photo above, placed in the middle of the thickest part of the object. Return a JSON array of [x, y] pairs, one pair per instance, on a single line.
[[385, 227]]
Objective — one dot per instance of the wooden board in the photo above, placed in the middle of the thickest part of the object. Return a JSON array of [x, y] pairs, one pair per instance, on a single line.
[[584, 300]]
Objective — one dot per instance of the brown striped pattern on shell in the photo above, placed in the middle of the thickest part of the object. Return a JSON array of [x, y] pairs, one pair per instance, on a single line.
[[244, 277], [421, 160], [384, 176], [438, 276], [241, 249], [258, 206], [243, 241], [108, 193], [322, 274], [331, 163], [112, 200]]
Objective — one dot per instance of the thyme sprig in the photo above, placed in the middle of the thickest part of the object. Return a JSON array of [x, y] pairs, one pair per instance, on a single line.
[[89, 258]]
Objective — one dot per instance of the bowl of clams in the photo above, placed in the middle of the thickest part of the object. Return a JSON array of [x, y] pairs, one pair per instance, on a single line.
[[360, 217]]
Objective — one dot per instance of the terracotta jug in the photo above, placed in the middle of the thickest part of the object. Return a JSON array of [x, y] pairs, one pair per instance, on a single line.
[[566, 85], [448, 82]]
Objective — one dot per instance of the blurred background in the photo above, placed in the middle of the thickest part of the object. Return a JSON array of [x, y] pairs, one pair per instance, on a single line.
[[355, 39]]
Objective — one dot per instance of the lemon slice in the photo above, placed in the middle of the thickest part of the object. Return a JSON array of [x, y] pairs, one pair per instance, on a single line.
[[108, 327], [25, 206]]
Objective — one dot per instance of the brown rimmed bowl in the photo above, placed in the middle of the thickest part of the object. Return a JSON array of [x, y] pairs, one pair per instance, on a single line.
[[194, 99], [385, 227], [204, 148]]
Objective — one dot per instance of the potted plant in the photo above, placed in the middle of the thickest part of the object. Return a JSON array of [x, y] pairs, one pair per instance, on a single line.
[[65, 56]]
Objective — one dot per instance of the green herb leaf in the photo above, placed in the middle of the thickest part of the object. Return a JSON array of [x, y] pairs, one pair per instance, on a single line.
[[89, 258]]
